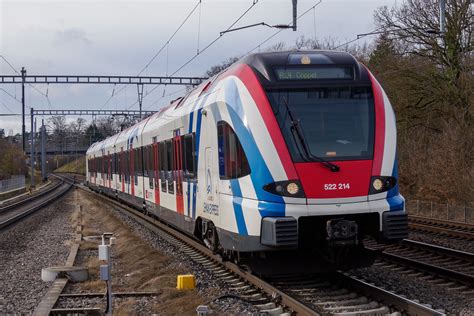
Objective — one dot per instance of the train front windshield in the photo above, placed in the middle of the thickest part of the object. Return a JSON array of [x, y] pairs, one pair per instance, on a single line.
[[334, 123]]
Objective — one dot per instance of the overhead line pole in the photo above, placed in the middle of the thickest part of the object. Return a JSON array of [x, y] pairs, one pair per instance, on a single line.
[[32, 156], [23, 129], [80, 79]]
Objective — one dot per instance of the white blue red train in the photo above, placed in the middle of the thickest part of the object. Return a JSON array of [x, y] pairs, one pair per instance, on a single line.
[[283, 152]]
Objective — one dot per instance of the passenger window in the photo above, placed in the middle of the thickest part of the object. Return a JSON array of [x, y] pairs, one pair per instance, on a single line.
[[163, 165], [170, 167], [189, 154], [233, 162]]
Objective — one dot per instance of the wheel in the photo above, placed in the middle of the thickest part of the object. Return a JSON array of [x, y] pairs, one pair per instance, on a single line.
[[211, 239]]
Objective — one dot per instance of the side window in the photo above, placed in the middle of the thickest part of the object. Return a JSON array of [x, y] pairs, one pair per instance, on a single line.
[[127, 166], [170, 165], [162, 165], [153, 158], [233, 162], [149, 165], [146, 161], [189, 156]]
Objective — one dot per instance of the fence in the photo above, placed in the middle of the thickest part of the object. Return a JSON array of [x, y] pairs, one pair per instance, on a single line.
[[15, 183], [451, 212]]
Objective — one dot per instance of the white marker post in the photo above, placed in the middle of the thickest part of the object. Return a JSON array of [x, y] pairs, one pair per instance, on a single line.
[[105, 270]]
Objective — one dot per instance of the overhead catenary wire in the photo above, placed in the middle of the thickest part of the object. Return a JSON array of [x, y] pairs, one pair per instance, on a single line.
[[10, 95], [165, 45], [254, 2], [6, 107], [281, 30], [374, 32], [31, 85]]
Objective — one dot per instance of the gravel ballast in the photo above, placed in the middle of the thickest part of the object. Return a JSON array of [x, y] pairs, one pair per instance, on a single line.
[[443, 241], [439, 296], [208, 286], [39, 241]]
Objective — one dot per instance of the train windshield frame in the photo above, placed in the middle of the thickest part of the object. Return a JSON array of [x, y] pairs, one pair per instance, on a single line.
[[337, 123]]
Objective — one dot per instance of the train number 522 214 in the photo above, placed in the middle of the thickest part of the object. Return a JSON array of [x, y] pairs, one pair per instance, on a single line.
[[336, 186]]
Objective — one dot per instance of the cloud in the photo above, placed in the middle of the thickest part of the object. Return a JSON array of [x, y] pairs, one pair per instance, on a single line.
[[71, 35]]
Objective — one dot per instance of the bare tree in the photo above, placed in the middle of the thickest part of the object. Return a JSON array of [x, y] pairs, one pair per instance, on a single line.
[[415, 24]]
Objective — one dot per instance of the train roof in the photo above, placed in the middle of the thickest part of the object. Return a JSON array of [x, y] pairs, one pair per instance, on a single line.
[[264, 65]]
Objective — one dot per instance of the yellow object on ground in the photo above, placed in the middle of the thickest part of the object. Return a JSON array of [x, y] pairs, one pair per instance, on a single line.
[[186, 282]]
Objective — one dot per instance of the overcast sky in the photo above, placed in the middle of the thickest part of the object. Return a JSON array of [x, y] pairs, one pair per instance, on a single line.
[[92, 37]]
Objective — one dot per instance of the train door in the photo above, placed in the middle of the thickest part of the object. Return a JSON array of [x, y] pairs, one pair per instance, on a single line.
[[178, 173]]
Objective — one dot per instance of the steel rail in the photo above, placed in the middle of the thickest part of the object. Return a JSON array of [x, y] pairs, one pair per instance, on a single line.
[[405, 305], [455, 229], [283, 298], [395, 255], [454, 253], [21, 202], [4, 224]]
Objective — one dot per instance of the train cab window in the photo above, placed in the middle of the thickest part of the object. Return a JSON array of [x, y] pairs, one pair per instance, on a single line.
[[233, 162], [163, 165], [189, 157], [169, 147]]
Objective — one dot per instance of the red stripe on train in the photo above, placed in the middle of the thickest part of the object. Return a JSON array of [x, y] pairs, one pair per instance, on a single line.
[[379, 127]]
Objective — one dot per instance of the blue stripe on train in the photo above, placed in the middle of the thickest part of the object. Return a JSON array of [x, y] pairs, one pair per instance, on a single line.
[[394, 199], [198, 140], [237, 203], [260, 174]]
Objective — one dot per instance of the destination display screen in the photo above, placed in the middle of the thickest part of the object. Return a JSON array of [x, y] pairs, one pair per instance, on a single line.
[[313, 73]]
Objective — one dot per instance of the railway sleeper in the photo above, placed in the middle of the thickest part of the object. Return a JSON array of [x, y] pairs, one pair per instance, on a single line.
[[350, 302], [360, 308], [376, 311], [274, 311], [329, 299]]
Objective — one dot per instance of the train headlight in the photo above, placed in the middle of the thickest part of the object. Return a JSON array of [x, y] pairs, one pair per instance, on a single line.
[[377, 184], [382, 184], [289, 188], [292, 188]]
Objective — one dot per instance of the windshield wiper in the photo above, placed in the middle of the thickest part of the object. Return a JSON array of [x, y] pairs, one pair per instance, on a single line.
[[295, 126]]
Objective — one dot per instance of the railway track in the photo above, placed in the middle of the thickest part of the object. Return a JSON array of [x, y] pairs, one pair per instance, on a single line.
[[286, 294], [441, 227], [14, 212], [453, 265], [19, 201]]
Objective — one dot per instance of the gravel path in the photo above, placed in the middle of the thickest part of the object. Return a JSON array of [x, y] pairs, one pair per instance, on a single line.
[[38, 241]]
